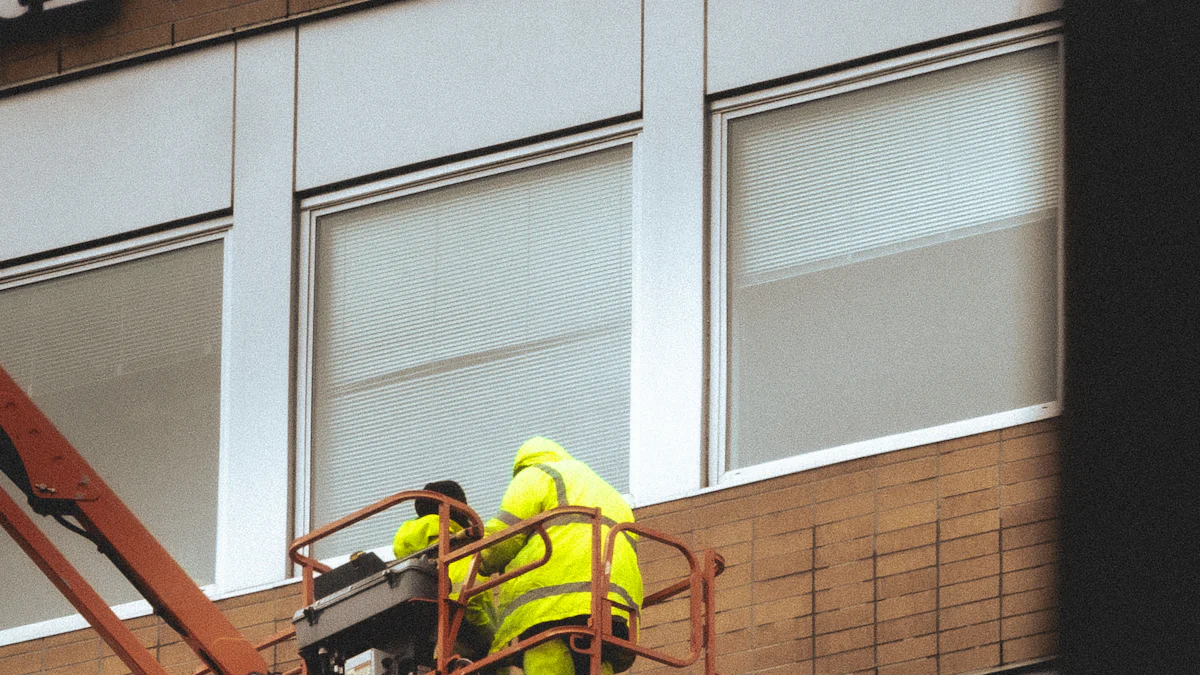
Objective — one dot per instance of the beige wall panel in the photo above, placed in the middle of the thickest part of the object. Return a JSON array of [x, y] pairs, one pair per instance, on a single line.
[[418, 80], [116, 152], [751, 41]]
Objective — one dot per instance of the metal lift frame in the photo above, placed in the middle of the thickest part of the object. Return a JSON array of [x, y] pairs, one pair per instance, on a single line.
[[699, 582]]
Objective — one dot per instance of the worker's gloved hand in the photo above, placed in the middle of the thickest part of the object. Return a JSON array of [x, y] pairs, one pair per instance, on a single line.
[[456, 541], [464, 537]]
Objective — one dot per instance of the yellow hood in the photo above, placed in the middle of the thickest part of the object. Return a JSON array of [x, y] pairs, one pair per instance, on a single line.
[[538, 450]]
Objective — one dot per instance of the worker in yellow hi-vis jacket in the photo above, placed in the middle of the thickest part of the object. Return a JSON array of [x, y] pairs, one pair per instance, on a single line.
[[558, 593], [419, 533]]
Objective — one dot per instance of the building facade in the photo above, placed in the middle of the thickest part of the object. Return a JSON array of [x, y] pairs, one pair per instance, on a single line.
[[787, 275]]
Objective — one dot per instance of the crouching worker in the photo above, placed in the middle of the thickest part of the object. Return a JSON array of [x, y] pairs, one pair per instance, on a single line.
[[475, 635], [559, 592]]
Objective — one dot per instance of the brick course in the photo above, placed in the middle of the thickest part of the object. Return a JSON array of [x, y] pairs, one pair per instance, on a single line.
[[146, 26], [931, 560]]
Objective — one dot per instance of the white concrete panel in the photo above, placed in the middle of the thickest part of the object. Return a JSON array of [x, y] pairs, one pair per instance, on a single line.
[[423, 79], [750, 41], [252, 534], [128, 149], [668, 310]]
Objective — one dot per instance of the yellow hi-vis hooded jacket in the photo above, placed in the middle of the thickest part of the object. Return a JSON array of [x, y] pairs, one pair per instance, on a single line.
[[546, 477], [417, 534]]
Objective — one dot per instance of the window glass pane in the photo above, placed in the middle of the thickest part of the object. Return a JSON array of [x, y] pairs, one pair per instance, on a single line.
[[893, 257], [125, 360], [451, 325]]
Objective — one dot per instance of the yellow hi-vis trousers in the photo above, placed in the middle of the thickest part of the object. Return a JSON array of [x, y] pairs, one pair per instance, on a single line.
[[554, 658]]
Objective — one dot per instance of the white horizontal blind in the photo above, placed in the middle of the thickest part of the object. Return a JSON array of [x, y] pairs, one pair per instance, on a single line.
[[125, 360], [894, 167], [99, 325], [451, 325], [893, 257]]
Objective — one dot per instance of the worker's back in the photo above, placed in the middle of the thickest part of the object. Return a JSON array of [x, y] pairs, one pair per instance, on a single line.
[[545, 476]]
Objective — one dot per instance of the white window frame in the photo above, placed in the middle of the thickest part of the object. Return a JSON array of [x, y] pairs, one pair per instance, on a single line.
[[109, 255], [313, 208], [726, 110]]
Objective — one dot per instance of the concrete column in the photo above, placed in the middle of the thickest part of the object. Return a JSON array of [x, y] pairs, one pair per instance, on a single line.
[[667, 435], [252, 530]]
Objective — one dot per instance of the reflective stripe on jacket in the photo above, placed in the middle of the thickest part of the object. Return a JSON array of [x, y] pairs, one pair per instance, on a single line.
[[417, 534], [546, 477]]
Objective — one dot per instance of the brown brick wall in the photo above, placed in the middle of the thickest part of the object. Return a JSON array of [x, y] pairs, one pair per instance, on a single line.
[[143, 26], [257, 616], [938, 559]]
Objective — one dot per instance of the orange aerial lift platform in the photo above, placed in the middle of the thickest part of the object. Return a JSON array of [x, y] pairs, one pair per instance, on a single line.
[[404, 608]]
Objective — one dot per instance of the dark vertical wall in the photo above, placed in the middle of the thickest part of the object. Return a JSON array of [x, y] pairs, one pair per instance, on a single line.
[[1131, 399]]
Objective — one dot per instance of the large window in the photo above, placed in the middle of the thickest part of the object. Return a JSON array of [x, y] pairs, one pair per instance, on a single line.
[[887, 257], [125, 359], [450, 319]]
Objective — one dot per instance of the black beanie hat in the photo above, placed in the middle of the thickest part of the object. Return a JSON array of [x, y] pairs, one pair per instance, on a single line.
[[451, 489]]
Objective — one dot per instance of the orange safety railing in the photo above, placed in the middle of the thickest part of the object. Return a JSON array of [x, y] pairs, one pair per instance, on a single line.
[[588, 639]]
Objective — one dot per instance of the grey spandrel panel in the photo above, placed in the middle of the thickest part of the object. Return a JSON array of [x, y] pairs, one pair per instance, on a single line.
[[117, 152], [413, 81], [751, 41], [894, 344]]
